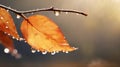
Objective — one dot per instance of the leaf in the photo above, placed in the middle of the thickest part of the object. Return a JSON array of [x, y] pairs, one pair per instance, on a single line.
[[43, 34], [8, 43], [7, 24]]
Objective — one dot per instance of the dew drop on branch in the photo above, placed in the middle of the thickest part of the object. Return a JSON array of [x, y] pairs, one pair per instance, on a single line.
[[18, 16], [7, 10], [77, 14], [32, 13], [57, 13], [66, 12]]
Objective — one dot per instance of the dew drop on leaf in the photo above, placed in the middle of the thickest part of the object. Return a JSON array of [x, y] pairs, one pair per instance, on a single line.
[[53, 53], [33, 50], [7, 22], [15, 51], [57, 51], [66, 52], [25, 41], [17, 39], [8, 34], [13, 37], [1, 18], [5, 32], [51, 40], [44, 52], [16, 54], [6, 50], [38, 50], [6, 27], [21, 39]]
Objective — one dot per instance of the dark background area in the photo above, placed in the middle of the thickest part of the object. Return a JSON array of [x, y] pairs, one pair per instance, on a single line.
[[97, 36]]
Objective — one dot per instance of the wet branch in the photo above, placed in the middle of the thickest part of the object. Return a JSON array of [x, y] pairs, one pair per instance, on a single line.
[[21, 13]]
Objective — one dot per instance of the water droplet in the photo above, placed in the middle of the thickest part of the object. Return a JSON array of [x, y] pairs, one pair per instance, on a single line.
[[57, 13], [66, 52], [33, 50], [6, 27], [7, 22], [77, 14], [9, 34], [15, 51], [53, 53], [66, 12], [6, 50], [18, 16], [21, 39], [57, 51], [38, 50], [7, 10], [75, 48], [5, 32], [25, 41], [1, 18], [13, 37], [44, 52], [17, 39], [18, 56], [32, 13]]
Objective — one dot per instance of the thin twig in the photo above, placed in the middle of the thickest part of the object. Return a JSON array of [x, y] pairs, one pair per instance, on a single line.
[[39, 10], [22, 13]]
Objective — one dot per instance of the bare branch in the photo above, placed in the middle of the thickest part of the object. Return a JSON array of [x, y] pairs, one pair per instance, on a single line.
[[39, 10]]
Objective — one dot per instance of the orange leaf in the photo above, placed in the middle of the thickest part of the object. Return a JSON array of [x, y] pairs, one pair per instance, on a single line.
[[7, 24], [8, 43], [44, 35]]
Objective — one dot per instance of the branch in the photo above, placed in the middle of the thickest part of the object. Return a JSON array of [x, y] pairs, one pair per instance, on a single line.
[[21, 13], [55, 10]]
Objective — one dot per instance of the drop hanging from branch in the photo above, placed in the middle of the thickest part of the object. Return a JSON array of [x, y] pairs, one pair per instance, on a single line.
[[55, 10], [33, 27]]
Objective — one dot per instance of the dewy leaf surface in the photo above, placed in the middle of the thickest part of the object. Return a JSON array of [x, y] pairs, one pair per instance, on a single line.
[[44, 35], [7, 42], [7, 24]]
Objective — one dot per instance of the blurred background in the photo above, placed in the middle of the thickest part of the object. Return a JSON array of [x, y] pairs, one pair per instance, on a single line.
[[97, 36]]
